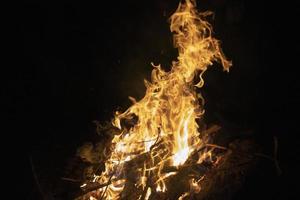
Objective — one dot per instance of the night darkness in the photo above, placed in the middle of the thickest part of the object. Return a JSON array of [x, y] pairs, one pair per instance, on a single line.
[[82, 61]]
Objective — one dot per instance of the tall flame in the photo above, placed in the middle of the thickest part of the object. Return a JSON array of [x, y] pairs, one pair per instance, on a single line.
[[166, 129]]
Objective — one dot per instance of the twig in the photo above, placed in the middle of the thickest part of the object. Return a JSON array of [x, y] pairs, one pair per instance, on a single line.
[[264, 156], [234, 166], [36, 178], [148, 180], [71, 180], [210, 145], [276, 155], [274, 158], [212, 129], [155, 143], [90, 188], [145, 190], [216, 146], [109, 181]]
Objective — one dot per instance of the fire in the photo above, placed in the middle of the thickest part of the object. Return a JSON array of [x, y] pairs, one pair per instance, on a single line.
[[166, 132]]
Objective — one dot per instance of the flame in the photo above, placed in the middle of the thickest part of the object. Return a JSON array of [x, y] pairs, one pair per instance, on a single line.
[[166, 129], [148, 193]]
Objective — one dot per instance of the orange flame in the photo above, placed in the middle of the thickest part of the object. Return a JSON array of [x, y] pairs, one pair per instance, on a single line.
[[166, 129]]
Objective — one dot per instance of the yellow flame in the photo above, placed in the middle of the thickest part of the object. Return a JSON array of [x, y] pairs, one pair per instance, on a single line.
[[166, 128], [194, 186], [183, 196], [148, 193]]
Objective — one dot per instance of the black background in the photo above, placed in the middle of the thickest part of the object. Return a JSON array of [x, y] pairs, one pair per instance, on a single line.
[[82, 60]]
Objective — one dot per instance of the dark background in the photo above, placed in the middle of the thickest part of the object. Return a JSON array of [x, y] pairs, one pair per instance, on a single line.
[[82, 61]]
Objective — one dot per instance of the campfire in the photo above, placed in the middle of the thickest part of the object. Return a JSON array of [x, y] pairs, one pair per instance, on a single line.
[[160, 147]]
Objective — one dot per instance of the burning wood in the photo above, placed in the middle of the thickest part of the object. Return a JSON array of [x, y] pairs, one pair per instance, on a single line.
[[163, 144]]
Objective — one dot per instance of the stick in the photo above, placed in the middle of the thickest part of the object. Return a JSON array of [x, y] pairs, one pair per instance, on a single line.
[[90, 188], [71, 180], [276, 156], [36, 178], [109, 181]]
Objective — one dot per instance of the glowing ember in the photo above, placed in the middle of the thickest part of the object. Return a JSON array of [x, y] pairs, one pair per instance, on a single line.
[[166, 131]]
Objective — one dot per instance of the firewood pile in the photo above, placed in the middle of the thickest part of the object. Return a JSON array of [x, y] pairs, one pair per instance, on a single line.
[[220, 179]]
